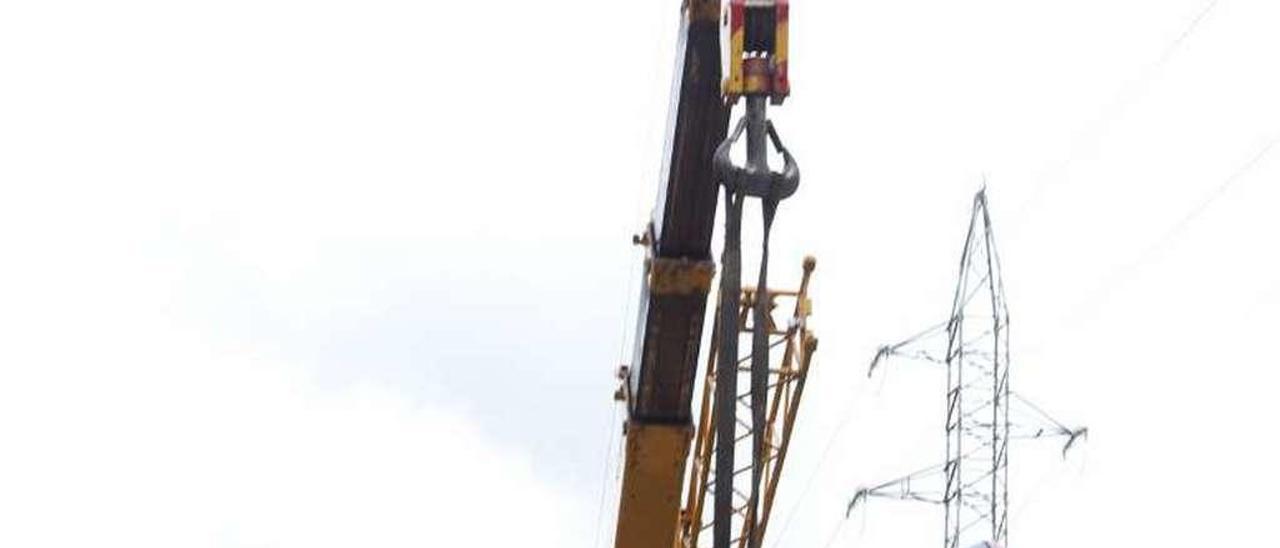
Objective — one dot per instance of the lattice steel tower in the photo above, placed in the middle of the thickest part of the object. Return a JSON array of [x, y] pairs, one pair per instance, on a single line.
[[976, 471], [972, 483]]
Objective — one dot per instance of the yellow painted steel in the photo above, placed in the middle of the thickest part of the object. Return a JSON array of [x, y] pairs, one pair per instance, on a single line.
[[650, 505], [733, 84], [780, 43], [787, 379], [679, 276]]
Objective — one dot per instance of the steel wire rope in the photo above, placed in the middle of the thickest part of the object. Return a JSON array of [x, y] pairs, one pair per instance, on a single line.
[[1121, 273], [612, 425], [826, 453], [1122, 101], [835, 533], [609, 463]]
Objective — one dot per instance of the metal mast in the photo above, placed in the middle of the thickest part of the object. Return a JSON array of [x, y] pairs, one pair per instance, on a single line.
[[976, 469], [972, 483]]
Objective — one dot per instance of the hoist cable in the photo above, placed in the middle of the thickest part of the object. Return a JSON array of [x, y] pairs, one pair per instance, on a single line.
[[760, 366], [771, 187], [726, 364]]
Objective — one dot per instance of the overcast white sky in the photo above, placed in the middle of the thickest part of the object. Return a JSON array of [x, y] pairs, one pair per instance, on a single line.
[[305, 274]]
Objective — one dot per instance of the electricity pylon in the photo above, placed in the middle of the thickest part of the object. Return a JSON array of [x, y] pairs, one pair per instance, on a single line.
[[972, 483]]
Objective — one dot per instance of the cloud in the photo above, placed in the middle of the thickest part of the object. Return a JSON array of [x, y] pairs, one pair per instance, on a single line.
[[134, 434]]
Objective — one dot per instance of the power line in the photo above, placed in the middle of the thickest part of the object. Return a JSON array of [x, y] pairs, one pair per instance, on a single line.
[[1121, 103], [1212, 197], [826, 452], [1122, 273], [835, 533]]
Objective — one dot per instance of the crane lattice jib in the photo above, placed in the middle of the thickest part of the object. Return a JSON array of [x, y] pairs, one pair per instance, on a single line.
[[792, 346]]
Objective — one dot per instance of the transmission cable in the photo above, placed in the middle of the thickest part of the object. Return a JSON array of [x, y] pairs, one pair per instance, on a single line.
[[1117, 107]]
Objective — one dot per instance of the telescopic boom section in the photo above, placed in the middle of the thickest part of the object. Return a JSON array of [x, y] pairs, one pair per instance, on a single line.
[[658, 387]]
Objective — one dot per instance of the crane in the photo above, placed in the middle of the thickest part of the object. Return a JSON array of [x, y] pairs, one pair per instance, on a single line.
[[658, 386]]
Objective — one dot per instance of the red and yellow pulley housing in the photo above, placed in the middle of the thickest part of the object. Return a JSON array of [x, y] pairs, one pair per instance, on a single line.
[[757, 50]]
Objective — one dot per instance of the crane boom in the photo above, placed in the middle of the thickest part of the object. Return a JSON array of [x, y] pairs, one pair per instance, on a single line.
[[658, 387]]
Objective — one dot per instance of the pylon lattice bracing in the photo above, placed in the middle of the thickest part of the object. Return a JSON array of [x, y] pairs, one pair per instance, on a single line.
[[972, 483], [976, 470]]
